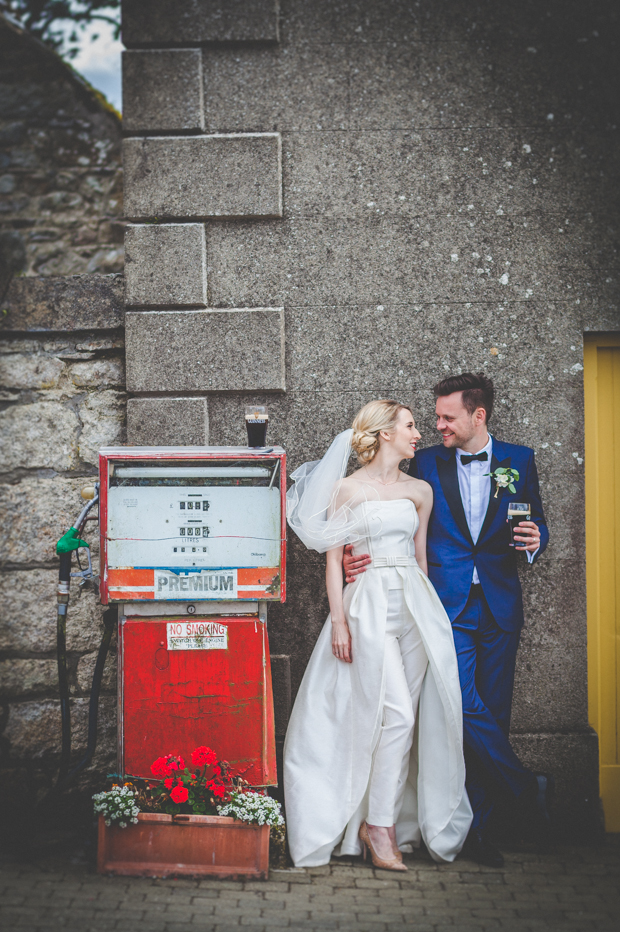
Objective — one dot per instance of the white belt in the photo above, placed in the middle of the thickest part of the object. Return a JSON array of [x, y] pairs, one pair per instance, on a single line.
[[394, 561]]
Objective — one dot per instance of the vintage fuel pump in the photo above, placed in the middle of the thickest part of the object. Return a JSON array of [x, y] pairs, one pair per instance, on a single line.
[[192, 552]]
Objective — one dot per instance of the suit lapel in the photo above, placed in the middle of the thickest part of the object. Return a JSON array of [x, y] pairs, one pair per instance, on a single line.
[[450, 484], [494, 503]]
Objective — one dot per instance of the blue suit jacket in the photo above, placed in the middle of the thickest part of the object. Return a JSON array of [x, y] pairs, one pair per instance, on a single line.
[[451, 551]]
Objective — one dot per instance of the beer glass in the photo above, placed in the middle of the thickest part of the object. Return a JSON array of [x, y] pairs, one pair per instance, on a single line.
[[256, 421], [517, 511]]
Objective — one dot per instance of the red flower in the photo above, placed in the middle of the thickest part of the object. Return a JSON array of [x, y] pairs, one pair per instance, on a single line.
[[175, 763], [160, 768], [217, 771], [169, 783], [219, 790], [203, 756], [165, 766], [179, 794]]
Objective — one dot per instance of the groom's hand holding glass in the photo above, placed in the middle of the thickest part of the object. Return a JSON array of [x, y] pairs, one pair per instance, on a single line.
[[528, 536]]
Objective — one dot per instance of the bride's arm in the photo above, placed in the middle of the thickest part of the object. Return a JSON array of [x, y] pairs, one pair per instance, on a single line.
[[424, 506], [341, 636]]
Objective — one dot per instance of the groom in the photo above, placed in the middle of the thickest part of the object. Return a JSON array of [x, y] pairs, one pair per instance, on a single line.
[[474, 571]]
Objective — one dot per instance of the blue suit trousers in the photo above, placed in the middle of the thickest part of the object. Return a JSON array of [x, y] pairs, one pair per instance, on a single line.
[[486, 657]]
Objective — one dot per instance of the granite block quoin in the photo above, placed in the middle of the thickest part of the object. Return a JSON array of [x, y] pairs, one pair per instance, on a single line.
[[162, 90], [177, 22], [165, 265], [197, 177], [211, 350]]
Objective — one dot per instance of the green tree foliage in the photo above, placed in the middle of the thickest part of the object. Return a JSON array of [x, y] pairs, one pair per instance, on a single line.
[[59, 22]]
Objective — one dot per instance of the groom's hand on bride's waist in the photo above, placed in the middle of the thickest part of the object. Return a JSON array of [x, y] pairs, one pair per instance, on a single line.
[[354, 565]]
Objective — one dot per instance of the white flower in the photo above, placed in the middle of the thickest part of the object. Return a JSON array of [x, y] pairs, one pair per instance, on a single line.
[[117, 806], [253, 808]]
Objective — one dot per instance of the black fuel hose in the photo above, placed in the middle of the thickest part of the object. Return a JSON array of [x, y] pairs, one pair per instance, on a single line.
[[64, 579], [109, 620], [65, 775]]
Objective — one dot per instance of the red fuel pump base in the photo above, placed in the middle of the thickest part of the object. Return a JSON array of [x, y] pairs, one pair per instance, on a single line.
[[174, 700]]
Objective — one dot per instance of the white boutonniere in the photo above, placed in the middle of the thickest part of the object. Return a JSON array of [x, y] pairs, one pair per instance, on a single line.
[[504, 479]]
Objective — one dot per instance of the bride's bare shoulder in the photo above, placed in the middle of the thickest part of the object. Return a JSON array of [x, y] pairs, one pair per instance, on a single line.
[[349, 484], [356, 476], [418, 489], [345, 491], [423, 490]]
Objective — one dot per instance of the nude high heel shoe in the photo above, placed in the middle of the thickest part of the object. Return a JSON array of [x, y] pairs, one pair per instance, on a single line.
[[397, 852], [393, 864]]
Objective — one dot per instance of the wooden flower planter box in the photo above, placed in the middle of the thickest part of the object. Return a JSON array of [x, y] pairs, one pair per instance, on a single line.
[[186, 845]]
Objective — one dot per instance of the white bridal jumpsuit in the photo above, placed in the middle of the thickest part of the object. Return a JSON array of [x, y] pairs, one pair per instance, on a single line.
[[380, 738]]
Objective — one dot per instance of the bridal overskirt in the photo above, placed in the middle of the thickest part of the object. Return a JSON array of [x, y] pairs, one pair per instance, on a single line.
[[336, 721]]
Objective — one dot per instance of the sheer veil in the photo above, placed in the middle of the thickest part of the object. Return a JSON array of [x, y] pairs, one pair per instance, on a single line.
[[314, 506]]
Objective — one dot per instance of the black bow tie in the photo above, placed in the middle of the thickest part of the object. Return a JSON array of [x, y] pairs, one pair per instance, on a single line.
[[466, 460]]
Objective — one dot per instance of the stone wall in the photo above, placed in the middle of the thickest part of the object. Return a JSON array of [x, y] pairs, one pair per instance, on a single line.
[[62, 381], [447, 201], [60, 173]]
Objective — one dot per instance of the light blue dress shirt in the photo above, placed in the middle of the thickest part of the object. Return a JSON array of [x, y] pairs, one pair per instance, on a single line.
[[475, 488]]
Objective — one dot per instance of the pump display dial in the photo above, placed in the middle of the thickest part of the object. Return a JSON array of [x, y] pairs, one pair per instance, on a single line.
[[213, 531]]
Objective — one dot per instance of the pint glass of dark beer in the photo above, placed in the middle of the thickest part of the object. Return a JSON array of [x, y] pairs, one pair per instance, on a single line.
[[256, 421], [517, 511]]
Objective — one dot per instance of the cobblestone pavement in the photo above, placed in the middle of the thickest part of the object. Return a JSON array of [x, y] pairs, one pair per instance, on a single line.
[[570, 888]]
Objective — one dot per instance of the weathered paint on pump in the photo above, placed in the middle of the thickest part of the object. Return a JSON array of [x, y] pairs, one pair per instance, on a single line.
[[129, 584], [172, 701]]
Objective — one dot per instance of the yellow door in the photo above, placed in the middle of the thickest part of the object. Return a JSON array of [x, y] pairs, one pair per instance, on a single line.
[[602, 448]]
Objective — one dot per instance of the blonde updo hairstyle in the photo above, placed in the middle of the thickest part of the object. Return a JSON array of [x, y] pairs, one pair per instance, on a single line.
[[368, 424]]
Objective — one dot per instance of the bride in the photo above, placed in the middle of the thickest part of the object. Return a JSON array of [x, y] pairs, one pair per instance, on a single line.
[[373, 756]]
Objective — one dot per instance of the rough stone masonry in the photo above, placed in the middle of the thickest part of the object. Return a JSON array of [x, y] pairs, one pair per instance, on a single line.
[[62, 390], [330, 202]]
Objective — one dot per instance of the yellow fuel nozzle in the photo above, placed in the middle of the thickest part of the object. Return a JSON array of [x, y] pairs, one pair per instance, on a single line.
[[88, 492]]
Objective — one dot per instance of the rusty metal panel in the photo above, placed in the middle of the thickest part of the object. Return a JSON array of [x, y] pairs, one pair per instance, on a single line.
[[188, 682]]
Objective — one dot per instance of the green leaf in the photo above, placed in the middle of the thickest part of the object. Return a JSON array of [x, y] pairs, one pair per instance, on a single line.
[[500, 471], [512, 488]]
